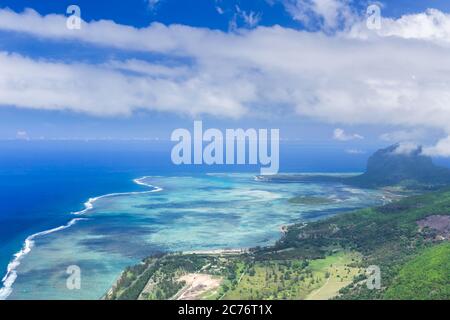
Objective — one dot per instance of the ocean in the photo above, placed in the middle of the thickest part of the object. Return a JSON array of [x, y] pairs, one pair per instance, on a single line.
[[151, 206]]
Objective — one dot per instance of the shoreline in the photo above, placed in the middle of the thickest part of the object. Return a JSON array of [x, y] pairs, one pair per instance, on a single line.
[[11, 273]]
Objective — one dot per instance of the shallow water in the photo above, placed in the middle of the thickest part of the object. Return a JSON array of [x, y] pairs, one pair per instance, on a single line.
[[189, 213]]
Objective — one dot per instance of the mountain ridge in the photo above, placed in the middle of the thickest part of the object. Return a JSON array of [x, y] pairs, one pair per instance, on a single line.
[[391, 166], [412, 169]]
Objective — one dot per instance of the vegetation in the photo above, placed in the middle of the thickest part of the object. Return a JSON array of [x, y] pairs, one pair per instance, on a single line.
[[426, 276], [322, 259], [155, 277], [327, 258], [295, 279], [412, 170]]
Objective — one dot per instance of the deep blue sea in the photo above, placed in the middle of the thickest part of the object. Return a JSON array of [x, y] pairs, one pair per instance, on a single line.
[[42, 182]]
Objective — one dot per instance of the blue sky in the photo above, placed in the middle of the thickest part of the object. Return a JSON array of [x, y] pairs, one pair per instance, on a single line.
[[202, 13], [308, 67]]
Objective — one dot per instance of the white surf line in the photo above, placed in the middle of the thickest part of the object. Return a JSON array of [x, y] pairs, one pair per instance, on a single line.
[[11, 272], [90, 203]]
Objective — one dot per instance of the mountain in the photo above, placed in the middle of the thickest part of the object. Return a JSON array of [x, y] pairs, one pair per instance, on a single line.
[[391, 166]]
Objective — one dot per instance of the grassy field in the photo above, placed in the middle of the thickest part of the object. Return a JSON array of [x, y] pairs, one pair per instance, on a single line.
[[337, 272], [296, 279]]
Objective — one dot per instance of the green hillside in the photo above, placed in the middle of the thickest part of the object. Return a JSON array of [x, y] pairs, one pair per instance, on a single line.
[[426, 276]]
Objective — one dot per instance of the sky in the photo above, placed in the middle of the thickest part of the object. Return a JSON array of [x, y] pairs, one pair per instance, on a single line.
[[322, 71]]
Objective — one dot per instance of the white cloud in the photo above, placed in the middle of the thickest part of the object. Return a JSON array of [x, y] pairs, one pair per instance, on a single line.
[[339, 79], [341, 135], [251, 19], [441, 149], [150, 69], [403, 135], [406, 148], [219, 10], [152, 4], [100, 90], [22, 135], [431, 25], [355, 151], [326, 14]]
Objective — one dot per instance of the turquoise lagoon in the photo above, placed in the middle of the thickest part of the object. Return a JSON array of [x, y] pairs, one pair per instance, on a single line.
[[172, 213]]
